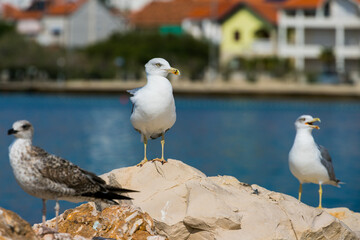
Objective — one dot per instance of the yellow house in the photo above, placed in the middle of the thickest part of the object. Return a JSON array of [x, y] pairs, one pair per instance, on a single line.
[[248, 30]]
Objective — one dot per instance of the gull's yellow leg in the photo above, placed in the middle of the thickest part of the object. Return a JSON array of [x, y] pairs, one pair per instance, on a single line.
[[57, 209], [300, 191], [162, 146], [162, 159], [43, 212], [145, 158], [320, 195]]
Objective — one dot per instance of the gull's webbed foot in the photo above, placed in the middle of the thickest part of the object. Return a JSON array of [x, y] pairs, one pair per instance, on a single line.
[[162, 160], [140, 164], [44, 230]]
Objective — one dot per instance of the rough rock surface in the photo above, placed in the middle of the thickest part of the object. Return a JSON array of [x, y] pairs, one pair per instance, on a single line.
[[113, 222], [185, 204], [13, 227]]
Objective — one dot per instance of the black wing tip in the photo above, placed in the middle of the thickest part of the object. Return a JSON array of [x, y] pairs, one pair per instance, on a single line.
[[339, 183], [119, 190]]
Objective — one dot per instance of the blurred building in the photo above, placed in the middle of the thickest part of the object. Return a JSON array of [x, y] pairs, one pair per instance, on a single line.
[[238, 27], [165, 16], [248, 30], [66, 23], [130, 5], [307, 28]]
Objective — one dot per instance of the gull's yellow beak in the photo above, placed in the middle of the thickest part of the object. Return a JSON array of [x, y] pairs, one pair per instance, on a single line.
[[174, 71], [310, 123]]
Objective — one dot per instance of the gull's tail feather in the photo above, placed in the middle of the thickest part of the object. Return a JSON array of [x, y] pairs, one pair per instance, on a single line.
[[339, 183], [106, 196], [119, 190]]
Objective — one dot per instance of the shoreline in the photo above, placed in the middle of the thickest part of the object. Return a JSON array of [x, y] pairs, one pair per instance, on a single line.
[[224, 89]]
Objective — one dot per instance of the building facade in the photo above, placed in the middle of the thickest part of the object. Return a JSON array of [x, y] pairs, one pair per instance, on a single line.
[[89, 23], [65, 23], [246, 33], [305, 31]]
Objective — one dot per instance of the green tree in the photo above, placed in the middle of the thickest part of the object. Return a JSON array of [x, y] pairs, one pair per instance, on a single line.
[[327, 57], [6, 28], [136, 48]]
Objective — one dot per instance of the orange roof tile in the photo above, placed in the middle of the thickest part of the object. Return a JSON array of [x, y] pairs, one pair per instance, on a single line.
[[12, 13], [64, 8], [223, 7], [302, 3], [267, 11], [158, 13], [57, 7]]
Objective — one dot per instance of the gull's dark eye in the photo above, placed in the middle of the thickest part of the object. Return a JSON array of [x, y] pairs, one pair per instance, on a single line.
[[158, 64], [302, 119], [26, 126]]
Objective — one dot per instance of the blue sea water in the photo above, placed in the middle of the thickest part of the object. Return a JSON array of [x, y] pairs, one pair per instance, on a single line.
[[243, 137]]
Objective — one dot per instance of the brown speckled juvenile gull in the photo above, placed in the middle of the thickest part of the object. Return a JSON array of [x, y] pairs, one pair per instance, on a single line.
[[49, 177]]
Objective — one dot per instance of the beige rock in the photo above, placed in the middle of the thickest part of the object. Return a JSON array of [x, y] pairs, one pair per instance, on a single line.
[[350, 218], [13, 227], [185, 204], [115, 222]]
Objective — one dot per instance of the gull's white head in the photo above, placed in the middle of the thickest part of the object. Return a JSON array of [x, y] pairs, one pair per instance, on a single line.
[[160, 67], [22, 129], [306, 122]]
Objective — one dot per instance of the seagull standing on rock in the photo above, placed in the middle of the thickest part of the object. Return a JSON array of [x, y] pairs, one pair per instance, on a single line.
[[153, 105], [309, 162], [47, 176]]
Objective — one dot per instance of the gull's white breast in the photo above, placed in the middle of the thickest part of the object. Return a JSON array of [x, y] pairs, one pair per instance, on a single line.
[[154, 107], [305, 161]]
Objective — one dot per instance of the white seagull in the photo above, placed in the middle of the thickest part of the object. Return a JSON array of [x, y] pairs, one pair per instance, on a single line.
[[49, 177], [153, 104], [309, 162]]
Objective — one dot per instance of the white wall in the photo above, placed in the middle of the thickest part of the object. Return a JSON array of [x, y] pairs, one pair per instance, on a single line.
[[49, 24], [91, 23]]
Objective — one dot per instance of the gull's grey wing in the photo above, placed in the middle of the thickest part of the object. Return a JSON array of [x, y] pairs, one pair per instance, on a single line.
[[327, 162], [132, 92]]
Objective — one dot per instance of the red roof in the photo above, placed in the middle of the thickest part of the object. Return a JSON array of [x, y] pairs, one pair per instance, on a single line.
[[302, 3], [159, 13], [11, 13], [64, 8], [266, 11], [306, 3], [222, 7], [56, 7]]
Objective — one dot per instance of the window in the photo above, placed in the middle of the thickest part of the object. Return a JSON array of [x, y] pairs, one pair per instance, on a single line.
[[290, 13], [327, 9], [262, 33], [56, 32], [237, 36], [309, 12], [290, 35]]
